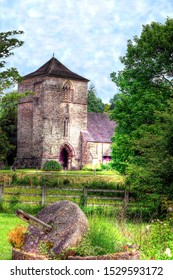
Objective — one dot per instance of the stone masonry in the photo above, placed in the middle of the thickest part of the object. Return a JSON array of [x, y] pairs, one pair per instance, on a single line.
[[51, 121]]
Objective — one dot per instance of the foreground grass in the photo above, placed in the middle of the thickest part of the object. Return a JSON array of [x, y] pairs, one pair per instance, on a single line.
[[7, 223], [108, 235]]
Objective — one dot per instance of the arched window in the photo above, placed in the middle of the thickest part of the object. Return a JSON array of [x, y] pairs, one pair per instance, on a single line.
[[66, 109], [66, 127], [67, 91]]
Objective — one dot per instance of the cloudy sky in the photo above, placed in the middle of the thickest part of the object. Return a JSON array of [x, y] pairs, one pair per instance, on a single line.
[[87, 36]]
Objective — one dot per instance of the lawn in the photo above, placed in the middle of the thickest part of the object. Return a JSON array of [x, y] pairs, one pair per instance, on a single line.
[[63, 172], [7, 223]]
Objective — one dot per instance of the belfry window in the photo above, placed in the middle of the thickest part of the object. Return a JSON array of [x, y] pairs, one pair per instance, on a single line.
[[66, 127], [67, 91]]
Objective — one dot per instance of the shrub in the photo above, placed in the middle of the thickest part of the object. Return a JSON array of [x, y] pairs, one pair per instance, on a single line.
[[52, 165], [14, 200], [106, 166], [16, 237], [90, 167]]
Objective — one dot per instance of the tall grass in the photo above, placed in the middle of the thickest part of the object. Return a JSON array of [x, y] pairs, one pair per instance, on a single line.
[[103, 238]]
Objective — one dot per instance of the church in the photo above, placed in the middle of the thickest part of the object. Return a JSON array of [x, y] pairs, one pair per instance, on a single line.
[[53, 123]]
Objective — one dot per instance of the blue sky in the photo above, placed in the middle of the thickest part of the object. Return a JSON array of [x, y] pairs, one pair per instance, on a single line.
[[87, 36]]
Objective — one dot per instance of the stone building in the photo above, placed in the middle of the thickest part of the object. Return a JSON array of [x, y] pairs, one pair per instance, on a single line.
[[53, 123]]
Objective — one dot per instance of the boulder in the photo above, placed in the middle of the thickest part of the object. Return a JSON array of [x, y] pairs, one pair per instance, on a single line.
[[68, 222]]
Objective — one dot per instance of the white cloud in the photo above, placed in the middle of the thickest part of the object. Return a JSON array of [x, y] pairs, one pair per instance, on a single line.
[[87, 36]]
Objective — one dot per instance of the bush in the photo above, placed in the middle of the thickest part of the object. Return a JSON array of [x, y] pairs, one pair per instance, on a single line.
[[106, 166], [52, 165], [90, 167]]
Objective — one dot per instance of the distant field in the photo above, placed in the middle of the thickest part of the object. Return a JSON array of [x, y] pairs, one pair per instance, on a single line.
[[68, 172]]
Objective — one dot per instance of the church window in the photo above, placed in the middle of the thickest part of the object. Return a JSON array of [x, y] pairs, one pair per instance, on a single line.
[[66, 127], [67, 91], [67, 109]]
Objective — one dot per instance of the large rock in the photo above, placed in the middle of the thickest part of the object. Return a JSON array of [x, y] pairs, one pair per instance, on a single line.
[[69, 225]]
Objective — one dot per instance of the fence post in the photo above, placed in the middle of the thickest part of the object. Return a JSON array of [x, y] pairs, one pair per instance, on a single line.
[[43, 202], [126, 199], [85, 192], [1, 191]]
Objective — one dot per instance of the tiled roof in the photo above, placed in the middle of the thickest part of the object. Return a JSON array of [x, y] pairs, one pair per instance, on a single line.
[[55, 68], [99, 128]]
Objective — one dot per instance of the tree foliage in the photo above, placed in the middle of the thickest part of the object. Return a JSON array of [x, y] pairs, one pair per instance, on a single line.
[[145, 90], [95, 104], [8, 42], [8, 102]]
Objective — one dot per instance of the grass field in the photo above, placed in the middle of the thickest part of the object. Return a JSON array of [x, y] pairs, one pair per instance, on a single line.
[[107, 235], [155, 240], [7, 223]]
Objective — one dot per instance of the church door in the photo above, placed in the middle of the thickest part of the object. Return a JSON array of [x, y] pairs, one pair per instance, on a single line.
[[64, 158]]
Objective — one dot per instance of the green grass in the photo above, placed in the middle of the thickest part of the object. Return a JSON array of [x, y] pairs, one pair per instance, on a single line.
[[67, 172], [103, 237], [106, 234], [7, 223]]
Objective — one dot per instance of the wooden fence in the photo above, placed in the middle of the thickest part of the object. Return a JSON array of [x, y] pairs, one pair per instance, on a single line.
[[45, 195]]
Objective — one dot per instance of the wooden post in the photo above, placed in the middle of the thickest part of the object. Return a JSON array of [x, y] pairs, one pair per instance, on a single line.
[[43, 202], [1, 191], [85, 193], [126, 199]]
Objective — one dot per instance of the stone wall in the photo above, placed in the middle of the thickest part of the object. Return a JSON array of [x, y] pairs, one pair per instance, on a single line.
[[42, 117]]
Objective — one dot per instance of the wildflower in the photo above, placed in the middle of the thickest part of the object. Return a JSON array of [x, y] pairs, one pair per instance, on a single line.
[[168, 252]]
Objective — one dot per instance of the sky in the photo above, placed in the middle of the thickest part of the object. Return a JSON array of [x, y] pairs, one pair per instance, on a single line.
[[87, 36]]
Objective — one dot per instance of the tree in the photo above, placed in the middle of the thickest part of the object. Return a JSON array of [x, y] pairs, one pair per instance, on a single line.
[[5, 146], [8, 104], [8, 123], [8, 42], [95, 104], [145, 86], [113, 101], [152, 167]]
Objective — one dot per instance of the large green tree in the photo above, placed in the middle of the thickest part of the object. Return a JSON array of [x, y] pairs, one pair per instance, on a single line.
[[95, 104], [8, 76], [8, 103], [145, 87], [8, 125], [152, 168]]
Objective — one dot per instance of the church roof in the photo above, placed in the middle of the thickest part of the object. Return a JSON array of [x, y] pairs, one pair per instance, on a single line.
[[99, 128], [56, 69]]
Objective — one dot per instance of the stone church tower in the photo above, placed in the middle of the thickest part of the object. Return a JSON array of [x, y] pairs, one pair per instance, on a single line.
[[50, 121]]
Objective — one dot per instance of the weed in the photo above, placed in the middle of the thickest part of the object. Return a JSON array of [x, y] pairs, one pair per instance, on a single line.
[[44, 247], [16, 237]]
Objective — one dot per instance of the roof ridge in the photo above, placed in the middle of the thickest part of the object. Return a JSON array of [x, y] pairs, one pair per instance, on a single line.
[[54, 67], [51, 63]]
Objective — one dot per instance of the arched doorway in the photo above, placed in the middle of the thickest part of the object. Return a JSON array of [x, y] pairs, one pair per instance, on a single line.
[[66, 154], [64, 158]]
